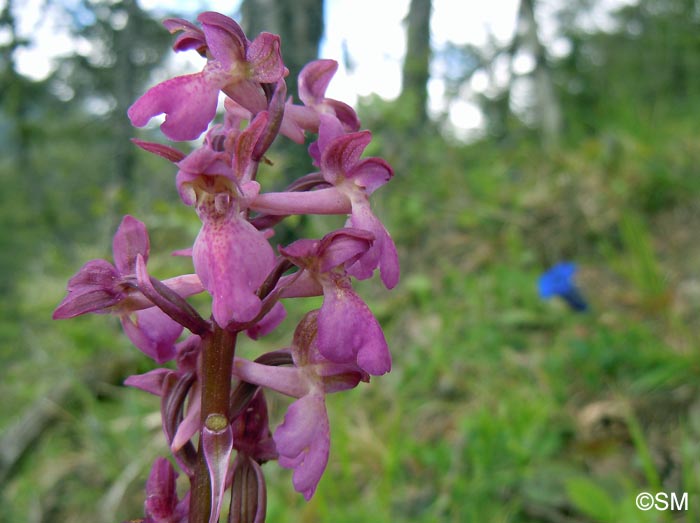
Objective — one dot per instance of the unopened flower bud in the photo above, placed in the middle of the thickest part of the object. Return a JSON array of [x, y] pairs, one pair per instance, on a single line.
[[248, 492]]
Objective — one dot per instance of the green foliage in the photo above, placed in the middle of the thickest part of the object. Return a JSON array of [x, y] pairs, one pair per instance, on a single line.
[[628, 76], [592, 499]]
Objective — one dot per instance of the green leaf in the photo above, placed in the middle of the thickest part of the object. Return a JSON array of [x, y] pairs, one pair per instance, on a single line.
[[592, 499]]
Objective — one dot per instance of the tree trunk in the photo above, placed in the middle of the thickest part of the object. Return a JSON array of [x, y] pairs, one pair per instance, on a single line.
[[416, 66], [125, 92], [548, 108], [299, 24], [300, 27]]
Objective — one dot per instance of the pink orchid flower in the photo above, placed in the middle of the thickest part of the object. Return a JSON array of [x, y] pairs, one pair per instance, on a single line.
[[235, 66], [100, 287], [348, 332], [303, 439]]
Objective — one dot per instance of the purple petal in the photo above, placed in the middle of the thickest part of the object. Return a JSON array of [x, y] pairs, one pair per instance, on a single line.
[[234, 115], [344, 113], [313, 82], [153, 332], [341, 377], [187, 252], [247, 93], [232, 259], [343, 246], [370, 174], [225, 38], [333, 377], [322, 201], [315, 153], [187, 353], [296, 120], [204, 161], [188, 41], [191, 423], [382, 254], [185, 285], [217, 443], [173, 25], [130, 240], [161, 497], [303, 442], [164, 151], [273, 125], [314, 79], [151, 382], [302, 285], [264, 58], [251, 432], [189, 103], [245, 144], [342, 154], [92, 289], [301, 251], [286, 380], [192, 37], [182, 510], [348, 332], [169, 302], [269, 322], [329, 129]]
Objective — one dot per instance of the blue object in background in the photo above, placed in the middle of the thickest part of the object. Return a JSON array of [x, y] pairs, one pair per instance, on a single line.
[[559, 281]]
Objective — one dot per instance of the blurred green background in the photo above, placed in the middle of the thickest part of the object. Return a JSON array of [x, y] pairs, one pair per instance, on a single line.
[[500, 407]]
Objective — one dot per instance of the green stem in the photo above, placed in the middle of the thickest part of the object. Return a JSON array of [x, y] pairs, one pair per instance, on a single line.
[[218, 349]]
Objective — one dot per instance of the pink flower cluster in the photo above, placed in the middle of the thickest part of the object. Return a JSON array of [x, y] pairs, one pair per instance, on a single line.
[[334, 348]]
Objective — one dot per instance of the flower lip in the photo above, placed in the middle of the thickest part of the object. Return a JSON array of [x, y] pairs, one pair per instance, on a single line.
[[303, 442], [232, 259]]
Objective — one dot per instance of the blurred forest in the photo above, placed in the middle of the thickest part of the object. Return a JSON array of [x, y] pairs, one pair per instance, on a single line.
[[501, 407]]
